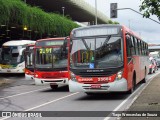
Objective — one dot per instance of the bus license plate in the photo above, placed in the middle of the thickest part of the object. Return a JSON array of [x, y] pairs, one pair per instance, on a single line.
[[8, 70], [96, 86]]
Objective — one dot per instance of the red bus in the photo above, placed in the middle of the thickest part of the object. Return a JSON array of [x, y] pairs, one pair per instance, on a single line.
[[29, 62], [51, 62], [106, 58]]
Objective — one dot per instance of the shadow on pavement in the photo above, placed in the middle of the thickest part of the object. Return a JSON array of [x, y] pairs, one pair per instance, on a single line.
[[59, 89]]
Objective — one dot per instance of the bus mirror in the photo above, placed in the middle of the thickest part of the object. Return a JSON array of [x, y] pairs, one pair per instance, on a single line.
[[70, 45]]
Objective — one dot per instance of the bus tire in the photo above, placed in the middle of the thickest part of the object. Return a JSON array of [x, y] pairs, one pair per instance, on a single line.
[[54, 87], [133, 85]]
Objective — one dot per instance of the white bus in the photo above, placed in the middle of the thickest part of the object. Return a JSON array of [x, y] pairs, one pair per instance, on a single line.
[[12, 56]]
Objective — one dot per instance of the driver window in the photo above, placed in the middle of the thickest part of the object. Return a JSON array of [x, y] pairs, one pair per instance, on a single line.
[[23, 55]]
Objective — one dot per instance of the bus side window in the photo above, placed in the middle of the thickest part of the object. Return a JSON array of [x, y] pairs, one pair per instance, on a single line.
[[146, 50], [129, 45], [143, 48], [23, 55], [133, 48], [139, 47]]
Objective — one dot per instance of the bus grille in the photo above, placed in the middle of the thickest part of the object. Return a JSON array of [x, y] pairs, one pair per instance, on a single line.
[[96, 74]]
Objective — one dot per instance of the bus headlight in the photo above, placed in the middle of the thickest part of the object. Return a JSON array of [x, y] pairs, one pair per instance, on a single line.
[[36, 75], [73, 77], [119, 75]]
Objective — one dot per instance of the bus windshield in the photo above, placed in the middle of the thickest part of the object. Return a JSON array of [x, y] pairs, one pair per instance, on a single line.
[[96, 52], [29, 58], [10, 55], [51, 57]]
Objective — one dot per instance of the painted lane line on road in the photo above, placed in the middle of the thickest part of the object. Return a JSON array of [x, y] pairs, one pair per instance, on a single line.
[[45, 104], [1, 98], [117, 108], [51, 101]]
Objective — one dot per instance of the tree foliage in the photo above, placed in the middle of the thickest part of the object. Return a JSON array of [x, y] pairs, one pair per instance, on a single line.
[[111, 22], [19, 13], [150, 7]]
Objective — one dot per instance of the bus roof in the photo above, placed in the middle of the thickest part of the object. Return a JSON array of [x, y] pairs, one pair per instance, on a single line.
[[32, 44], [101, 25], [57, 38], [111, 25], [18, 42], [131, 32]]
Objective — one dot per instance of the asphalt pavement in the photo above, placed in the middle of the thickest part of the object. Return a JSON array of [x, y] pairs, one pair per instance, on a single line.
[[148, 102], [23, 95], [10, 80]]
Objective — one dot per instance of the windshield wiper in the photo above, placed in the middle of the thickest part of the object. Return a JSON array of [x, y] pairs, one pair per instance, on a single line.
[[85, 44], [107, 40]]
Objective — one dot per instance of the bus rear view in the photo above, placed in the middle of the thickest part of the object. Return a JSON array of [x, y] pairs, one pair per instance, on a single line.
[[51, 62], [99, 61]]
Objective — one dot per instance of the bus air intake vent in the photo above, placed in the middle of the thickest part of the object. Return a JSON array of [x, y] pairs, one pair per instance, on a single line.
[[96, 74]]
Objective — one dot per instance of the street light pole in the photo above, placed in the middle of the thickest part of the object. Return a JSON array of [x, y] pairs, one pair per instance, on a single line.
[[63, 10], [138, 13], [95, 12]]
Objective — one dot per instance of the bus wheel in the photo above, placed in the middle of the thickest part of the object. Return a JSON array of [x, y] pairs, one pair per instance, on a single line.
[[133, 85], [54, 87]]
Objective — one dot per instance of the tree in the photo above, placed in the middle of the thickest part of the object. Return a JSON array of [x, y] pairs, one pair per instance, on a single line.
[[17, 12], [150, 7]]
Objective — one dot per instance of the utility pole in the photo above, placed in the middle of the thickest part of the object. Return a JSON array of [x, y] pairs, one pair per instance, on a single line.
[[138, 13], [113, 11], [95, 12]]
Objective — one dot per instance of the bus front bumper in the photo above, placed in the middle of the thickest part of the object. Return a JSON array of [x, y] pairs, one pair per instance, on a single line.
[[116, 86], [12, 70], [29, 77], [62, 81]]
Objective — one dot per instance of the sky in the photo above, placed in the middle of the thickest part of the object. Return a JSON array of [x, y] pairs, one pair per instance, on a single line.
[[146, 28]]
